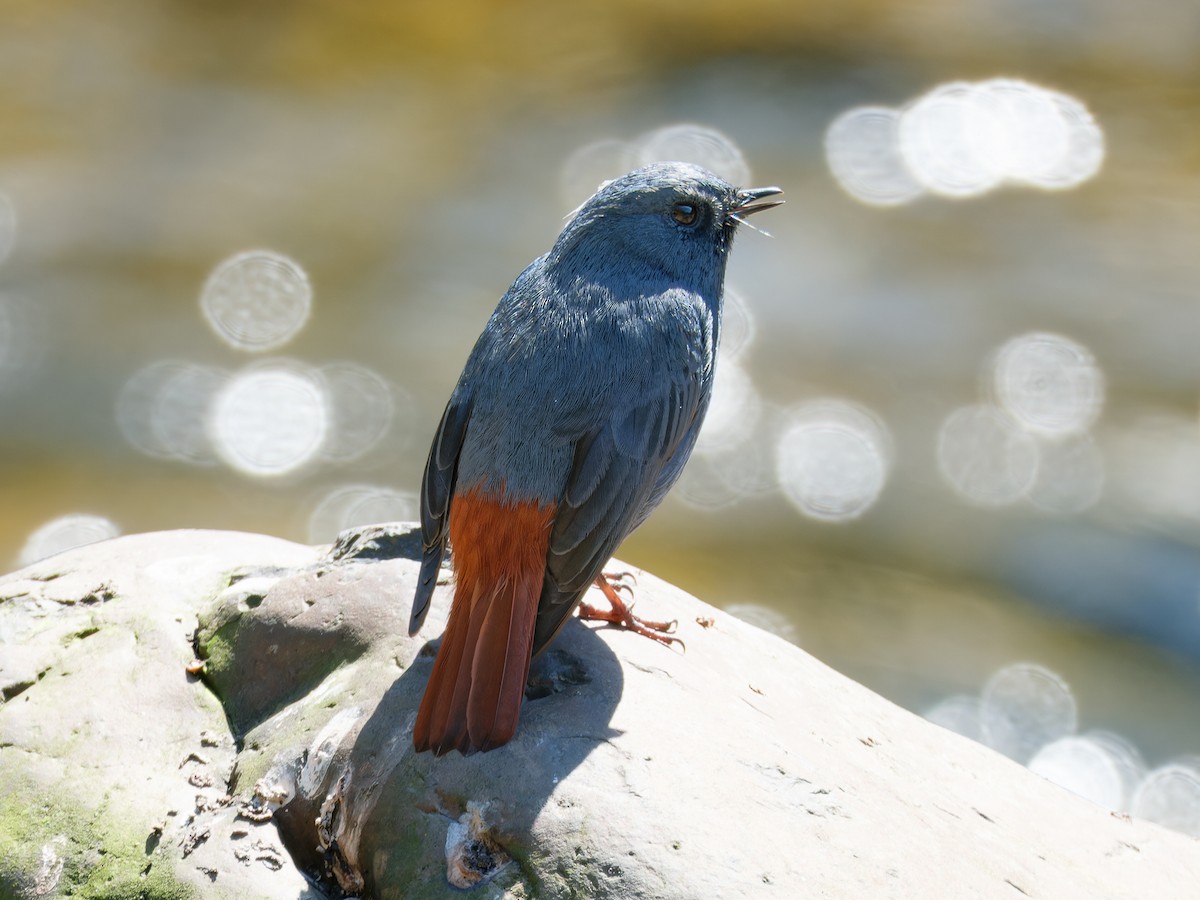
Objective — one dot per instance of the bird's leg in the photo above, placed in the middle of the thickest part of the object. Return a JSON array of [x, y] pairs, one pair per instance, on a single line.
[[621, 613]]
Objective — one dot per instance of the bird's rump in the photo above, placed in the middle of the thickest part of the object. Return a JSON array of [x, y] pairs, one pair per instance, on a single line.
[[477, 684]]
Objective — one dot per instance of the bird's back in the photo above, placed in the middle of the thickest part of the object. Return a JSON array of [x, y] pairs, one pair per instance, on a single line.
[[550, 371]]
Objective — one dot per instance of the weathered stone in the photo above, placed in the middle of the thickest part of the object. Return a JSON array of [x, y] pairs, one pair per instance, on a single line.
[[110, 752], [741, 768]]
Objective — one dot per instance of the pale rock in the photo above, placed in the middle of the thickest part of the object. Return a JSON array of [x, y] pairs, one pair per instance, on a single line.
[[741, 768]]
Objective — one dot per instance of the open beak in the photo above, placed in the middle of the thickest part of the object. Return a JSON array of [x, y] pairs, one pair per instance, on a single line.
[[754, 200]]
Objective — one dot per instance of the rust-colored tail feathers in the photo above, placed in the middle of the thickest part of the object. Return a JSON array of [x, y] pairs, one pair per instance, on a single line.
[[478, 680]]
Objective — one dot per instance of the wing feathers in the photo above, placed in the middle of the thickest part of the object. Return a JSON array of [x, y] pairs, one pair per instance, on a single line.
[[437, 487], [620, 470]]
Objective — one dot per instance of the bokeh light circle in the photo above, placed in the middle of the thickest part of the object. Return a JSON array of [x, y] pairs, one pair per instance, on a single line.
[[1170, 796], [591, 165], [1128, 760], [984, 457], [1049, 384], [720, 478], [738, 327], [1024, 707], [862, 149], [179, 409], [66, 533], [733, 410], [362, 407], [1082, 766], [1019, 132], [963, 139], [1070, 475], [1084, 154], [271, 419], [698, 144], [959, 713], [938, 135], [353, 505], [832, 460], [257, 300], [163, 407]]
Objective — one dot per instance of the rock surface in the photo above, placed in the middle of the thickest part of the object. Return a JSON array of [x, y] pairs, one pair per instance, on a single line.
[[741, 768]]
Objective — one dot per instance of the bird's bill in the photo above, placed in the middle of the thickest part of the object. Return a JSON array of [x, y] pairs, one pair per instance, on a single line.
[[752, 200]]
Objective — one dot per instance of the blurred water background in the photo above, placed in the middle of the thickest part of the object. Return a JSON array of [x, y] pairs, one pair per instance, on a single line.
[[245, 249]]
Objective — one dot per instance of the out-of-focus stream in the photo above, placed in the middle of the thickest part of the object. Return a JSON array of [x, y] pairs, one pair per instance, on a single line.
[[956, 426]]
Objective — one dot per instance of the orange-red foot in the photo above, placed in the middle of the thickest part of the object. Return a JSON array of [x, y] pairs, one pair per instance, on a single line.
[[621, 613]]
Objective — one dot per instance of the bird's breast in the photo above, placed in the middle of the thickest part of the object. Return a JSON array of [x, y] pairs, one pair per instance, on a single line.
[[547, 374]]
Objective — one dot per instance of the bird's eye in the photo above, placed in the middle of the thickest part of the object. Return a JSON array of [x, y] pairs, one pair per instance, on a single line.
[[685, 213]]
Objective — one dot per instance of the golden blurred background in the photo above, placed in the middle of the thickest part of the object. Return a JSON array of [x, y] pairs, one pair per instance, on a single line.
[[406, 160]]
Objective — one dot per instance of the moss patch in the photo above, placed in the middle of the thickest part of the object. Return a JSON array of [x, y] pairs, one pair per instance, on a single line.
[[215, 646], [257, 664], [88, 855]]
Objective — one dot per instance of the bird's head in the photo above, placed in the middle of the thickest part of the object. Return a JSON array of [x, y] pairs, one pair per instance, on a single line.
[[667, 219]]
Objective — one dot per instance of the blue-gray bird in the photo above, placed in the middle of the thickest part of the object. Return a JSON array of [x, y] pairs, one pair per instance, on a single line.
[[574, 415]]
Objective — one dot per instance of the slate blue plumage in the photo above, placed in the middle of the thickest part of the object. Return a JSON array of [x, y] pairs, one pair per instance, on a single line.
[[583, 397]]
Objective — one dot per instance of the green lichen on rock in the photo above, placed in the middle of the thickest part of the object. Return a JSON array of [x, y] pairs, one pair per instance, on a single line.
[[52, 847], [215, 641], [258, 659]]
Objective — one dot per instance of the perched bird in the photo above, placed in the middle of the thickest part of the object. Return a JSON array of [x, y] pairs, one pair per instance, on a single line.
[[574, 415]]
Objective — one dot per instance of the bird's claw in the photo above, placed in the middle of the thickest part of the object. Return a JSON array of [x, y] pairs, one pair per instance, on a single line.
[[620, 581], [621, 613]]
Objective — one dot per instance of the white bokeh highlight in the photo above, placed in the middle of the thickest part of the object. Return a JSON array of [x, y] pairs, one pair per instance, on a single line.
[[66, 533], [270, 420], [1049, 384], [1023, 707], [354, 505], [1128, 759], [984, 457], [594, 163], [162, 409], [362, 407], [1170, 796], [738, 327], [1083, 154], [178, 411], [959, 713], [717, 479], [1028, 713], [1070, 476], [1082, 766], [698, 144], [862, 148], [832, 459], [964, 139], [939, 137], [257, 300], [733, 410], [1030, 438]]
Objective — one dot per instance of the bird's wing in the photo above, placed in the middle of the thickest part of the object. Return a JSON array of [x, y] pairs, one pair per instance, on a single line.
[[437, 487], [616, 470]]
